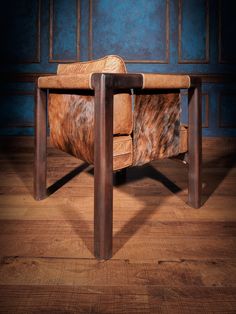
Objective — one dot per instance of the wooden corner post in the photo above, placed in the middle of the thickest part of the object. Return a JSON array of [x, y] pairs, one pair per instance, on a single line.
[[40, 157], [195, 145], [103, 166]]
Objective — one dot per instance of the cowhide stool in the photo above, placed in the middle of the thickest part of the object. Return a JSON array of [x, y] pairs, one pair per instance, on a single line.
[[114, 120]]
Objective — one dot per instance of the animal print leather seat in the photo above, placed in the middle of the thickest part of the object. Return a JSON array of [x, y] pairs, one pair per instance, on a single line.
[[148, 131]]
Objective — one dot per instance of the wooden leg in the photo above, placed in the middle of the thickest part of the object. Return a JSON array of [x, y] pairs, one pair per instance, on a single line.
[[40, 166], [103, 169], [194, 147]]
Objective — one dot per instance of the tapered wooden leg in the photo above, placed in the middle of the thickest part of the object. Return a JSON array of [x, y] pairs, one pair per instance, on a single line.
[[194, 146], [40, 166], [103, 169]]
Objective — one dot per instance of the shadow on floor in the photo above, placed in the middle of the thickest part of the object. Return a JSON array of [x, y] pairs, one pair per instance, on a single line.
[[224, 163], [23, 167], [122, 179], [66, 178]]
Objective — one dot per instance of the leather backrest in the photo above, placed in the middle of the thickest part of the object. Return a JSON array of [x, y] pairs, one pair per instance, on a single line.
[[122, 103], [113, 64]]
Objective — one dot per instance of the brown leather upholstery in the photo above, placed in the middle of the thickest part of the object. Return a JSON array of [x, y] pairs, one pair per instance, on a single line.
[[122, 123], [111, 63], [122, 152], [155, 133], [183, 143], [80, 81], [71, 120], [152, 81]]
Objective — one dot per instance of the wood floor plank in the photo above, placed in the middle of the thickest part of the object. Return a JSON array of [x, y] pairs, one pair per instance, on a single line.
[[69, 271], [131, 247], [119, 300], [151, 228], [168, 257], [125, 208]]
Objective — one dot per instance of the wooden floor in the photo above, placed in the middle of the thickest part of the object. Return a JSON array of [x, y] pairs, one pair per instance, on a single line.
[[168, 257]]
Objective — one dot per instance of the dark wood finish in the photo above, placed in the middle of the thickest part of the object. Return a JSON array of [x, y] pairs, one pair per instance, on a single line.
[[194, 146], [40, 161], [103, 167], [104, 85], [119, 80]]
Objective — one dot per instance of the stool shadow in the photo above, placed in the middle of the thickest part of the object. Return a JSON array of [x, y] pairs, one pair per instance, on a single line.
[[66, 178], [121, 181], [132, 226], [135, 174]]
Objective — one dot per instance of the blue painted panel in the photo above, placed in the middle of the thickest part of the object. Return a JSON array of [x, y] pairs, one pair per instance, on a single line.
[[227, 110], [19, 31], [216, 115], [227, 30], [84, 30], [193, 33], [64, 35], [16, 109], [135, 32], [17, 131]]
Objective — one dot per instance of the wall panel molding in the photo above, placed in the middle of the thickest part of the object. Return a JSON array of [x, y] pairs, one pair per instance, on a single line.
[[221, 125], [17, 124], [206, 124], [207, 44], [51, 34], [37, 52], [38, 36], [220, 57], [167, 39]]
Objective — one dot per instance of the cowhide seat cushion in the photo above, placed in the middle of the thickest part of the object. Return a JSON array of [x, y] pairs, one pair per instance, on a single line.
[[150, 131]]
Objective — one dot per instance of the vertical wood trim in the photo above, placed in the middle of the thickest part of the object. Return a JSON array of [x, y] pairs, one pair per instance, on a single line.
[[51, 21], [90, 31], [38, 40], [206, 122]]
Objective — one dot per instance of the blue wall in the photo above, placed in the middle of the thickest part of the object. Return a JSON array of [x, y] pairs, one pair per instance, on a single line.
[[165, 36]]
